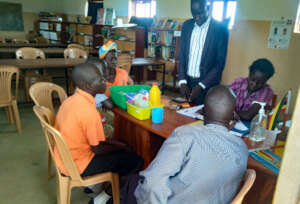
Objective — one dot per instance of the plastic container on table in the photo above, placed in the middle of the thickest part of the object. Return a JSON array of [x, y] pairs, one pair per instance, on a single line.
[[139, 113], [155, 95], [118, 93]]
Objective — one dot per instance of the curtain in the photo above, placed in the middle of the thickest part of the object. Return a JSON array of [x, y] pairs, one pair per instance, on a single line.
[[93, 10]]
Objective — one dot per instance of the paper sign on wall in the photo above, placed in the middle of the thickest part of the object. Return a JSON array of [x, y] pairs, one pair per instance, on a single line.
[[280, 34]]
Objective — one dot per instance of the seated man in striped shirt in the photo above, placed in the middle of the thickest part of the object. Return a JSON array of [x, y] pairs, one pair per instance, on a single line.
[[197, 163]]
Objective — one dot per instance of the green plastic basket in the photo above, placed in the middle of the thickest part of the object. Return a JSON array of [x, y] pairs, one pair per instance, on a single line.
[[119, 99]]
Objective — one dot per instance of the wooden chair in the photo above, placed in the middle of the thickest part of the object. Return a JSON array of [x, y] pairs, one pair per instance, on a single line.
[[31, 76], [41, 94], [66, 183], [246, 184], [42, 40], [125, 61], [20, 41], [73, 45], [6, 98], [74, 53]]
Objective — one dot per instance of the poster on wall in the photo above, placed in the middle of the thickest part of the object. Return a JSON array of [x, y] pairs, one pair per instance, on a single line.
[[280, 34]]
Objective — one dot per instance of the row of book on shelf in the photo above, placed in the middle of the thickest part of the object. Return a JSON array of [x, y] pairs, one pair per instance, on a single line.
[[168, 24], [166, 38], [167, 53]]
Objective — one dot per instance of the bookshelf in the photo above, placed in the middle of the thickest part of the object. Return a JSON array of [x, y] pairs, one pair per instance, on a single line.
[[163, 44], [128, 39]]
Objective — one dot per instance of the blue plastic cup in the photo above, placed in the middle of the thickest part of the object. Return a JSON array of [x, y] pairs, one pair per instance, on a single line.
[[157, 114]]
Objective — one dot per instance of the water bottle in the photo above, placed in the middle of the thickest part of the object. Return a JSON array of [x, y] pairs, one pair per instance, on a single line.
[[258, 128]]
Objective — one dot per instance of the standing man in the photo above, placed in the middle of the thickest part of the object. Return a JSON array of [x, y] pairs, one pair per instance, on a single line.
[[203, 53]]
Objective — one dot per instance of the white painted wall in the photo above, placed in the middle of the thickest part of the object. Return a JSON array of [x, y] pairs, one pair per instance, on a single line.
[[121, 6], [73, 6]]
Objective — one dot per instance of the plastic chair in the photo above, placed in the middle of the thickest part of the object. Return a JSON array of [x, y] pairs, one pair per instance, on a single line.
[[42, 40], [66, 183], [41, 94], [73, 45], [20, 41], [31, 76], [74, 53], [125, 61], [246, 184], [2, 40], [6, 98]]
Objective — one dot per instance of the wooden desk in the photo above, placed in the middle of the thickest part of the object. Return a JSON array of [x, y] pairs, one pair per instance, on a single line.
[[146, 139], [41, 64], [37, 45], [142, 62]]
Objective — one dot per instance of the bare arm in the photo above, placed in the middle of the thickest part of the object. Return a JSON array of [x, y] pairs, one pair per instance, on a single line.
[[250, 113]]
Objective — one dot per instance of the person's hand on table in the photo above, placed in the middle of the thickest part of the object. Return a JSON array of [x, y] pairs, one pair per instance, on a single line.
[[196, 92], [185, 91]]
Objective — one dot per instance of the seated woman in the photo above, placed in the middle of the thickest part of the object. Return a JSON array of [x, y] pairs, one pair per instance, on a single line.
[[253, 88], [116, 76]]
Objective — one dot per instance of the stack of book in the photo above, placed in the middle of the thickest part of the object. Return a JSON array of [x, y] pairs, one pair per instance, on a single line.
[[268, 159], [168, 24]]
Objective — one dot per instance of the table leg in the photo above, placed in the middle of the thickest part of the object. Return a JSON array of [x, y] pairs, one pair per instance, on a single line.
[[164, 79]]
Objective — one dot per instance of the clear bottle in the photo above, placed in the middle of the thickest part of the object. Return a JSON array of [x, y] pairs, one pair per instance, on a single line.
[[258, 128], [155, 95]]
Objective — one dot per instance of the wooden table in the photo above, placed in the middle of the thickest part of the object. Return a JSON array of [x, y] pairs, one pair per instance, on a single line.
[[143, 62], [9, 52], [146, 139], [37, 45], [41, 64]]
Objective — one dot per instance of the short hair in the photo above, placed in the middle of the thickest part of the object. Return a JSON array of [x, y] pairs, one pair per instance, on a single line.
[[263, 65], [84, 74]]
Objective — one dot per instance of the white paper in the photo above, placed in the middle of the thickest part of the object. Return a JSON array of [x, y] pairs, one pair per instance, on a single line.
[[280, 34], [192, 112], [58, 27], [99, 98], [240, 126], [44, 26], [53, 36]]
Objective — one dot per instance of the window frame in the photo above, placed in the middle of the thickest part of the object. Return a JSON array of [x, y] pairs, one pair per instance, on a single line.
[[225, 6], [132, 10]]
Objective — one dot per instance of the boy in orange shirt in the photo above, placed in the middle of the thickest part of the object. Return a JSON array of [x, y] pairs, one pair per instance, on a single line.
[[80, 125], [116, 76]]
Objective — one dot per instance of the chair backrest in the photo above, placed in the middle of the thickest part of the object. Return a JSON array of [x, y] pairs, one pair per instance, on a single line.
[[73, 45], [41, 94], [75, 53], [42, 40], [125, 61], [6, 74], [2, 39], [246, 184], [30, 53], [55, 139], [20, 41]]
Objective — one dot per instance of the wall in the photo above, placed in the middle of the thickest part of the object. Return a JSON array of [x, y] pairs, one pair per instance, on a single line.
[[73, 6], [31, 8]]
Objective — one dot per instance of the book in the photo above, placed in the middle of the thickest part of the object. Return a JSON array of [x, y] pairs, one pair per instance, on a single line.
[[267, 158]]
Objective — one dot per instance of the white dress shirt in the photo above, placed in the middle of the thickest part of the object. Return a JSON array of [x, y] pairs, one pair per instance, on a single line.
[[196, 49]]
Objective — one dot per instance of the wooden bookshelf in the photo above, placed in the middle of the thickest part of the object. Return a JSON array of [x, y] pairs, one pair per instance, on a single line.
[[130, 40], [163, 44]]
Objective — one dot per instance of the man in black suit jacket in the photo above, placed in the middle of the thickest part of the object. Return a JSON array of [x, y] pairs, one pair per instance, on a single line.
[[203, 53]]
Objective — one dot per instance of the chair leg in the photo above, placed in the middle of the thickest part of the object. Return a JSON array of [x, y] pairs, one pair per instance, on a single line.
[[63, 190], [17, 116], [115, 188], [9, 115], [49, 164]]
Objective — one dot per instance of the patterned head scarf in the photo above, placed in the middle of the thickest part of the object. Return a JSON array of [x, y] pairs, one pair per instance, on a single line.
[[110, 45]]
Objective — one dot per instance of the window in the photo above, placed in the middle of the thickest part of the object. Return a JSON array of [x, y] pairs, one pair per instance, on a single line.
[[143, 8], [224, 9], [297, 23]]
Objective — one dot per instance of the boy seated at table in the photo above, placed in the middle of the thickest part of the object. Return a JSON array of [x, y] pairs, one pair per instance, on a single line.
[[79, 123], [115, 75], [253, 88]]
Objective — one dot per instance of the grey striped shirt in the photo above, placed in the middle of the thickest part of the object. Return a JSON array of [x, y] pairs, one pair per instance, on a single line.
[[196, 165]]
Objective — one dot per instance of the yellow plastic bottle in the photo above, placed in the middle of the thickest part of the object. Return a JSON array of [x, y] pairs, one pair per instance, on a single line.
[[155, 95]]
